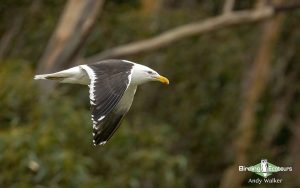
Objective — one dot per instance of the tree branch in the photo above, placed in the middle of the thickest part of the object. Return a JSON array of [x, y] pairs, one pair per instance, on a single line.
[[168, 37], [185, 31], [228, 6]]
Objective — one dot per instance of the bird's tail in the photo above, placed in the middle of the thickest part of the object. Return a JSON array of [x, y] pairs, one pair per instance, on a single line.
[[58, 75], [53, 76], [75, 75], [40, 77]]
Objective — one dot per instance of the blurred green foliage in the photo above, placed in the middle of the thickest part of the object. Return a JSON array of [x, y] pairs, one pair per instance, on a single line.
[[175, 136], [47, 142]]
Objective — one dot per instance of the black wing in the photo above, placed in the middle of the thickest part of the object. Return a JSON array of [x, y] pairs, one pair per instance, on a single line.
[[107, 127], [109, 80]]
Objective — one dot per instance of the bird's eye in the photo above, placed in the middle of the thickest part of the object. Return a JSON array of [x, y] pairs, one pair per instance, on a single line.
[[150, 72]]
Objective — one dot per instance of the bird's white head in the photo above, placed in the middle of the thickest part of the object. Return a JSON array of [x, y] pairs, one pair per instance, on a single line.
[[142, 74]]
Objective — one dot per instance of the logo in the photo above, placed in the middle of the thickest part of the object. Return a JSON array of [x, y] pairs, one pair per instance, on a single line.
[[265, 169]]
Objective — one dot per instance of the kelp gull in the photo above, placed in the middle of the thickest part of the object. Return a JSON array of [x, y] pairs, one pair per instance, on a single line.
[[112, 86]]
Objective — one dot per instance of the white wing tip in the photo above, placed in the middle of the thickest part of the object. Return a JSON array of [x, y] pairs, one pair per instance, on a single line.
[[100, 144]]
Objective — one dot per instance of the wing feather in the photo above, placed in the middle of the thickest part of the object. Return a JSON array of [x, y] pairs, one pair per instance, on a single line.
[[108, 83], [107, 128]]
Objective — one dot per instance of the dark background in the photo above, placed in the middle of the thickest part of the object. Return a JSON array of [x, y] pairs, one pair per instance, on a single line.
[[233, 97]]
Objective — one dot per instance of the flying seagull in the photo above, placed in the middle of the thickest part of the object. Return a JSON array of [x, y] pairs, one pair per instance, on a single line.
[[112, 86]]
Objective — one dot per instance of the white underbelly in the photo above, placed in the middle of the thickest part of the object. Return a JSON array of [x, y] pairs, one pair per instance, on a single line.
[[127, 98]]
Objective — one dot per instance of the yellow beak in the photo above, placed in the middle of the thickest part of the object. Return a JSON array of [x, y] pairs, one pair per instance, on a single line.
[[162, 79]]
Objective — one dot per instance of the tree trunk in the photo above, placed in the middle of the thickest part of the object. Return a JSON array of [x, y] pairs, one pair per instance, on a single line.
[[257, 80], [72, 30]]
